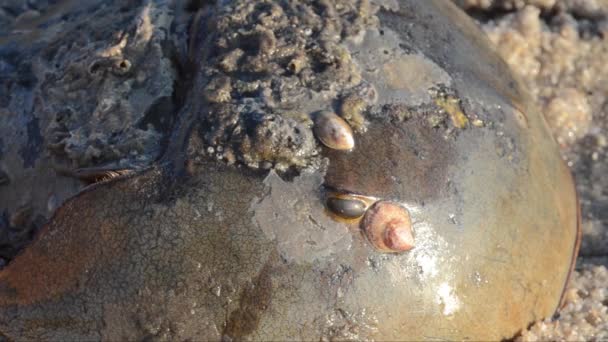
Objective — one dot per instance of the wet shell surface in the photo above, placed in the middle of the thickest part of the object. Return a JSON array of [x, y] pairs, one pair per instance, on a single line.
[[333, 131], [469, 233], [349, 208], [388, 227]]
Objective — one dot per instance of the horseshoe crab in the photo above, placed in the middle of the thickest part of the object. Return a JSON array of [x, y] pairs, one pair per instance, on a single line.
[[452, 217]]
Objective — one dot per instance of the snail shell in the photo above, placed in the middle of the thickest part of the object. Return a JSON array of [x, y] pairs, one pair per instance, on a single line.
[[348, 206], [388, 227], [333, 131]]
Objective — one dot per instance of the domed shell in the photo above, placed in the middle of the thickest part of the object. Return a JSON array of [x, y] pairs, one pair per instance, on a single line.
[[233, 253]]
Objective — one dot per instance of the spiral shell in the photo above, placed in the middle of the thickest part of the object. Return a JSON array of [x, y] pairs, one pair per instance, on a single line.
[[388, 227]]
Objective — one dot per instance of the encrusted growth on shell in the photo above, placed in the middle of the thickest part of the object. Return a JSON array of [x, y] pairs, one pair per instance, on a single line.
[[444, 111], [104, 81], [95, 174], [450, 108], [352, 109], [261, 61]]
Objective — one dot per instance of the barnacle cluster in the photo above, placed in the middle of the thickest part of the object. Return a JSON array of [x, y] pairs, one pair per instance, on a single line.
[[266, 68]]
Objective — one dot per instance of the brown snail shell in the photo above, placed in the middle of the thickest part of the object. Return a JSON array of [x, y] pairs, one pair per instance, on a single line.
[[348, 206], [333, 131], [388, 227]]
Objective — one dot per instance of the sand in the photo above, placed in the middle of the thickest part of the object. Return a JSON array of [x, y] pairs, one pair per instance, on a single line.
[[559, 48]]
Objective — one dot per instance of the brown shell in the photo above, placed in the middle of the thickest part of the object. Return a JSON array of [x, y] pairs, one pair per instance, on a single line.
[[388, 227], [333, 131]]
